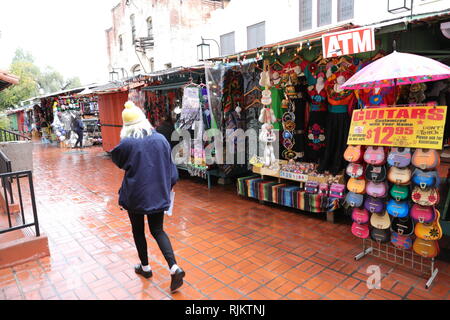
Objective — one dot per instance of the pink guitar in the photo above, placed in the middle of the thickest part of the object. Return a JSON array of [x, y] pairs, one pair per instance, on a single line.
[[375, 156]]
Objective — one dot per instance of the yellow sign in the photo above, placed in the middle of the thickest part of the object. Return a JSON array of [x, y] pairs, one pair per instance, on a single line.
[[412, 127]]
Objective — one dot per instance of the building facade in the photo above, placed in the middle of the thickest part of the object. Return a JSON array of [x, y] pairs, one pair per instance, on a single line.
[[151, 35]]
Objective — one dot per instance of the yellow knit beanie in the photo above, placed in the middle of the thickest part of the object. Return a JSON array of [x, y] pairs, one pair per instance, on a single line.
[[132, 114]]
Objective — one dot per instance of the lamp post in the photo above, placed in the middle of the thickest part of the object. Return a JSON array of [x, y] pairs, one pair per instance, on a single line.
[[204, 49]]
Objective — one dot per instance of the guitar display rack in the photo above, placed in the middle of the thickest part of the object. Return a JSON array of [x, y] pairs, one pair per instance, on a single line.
[[407, 258]]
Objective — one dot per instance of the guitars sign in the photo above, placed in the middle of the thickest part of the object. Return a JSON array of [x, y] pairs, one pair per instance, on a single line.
[[412, 127]]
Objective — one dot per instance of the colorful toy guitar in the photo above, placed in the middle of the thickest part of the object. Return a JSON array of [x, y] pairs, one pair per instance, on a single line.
[[429, 231], [375, 156], [353, 153], [356, 185], [399, 157], [376, 173], [425, 197], [397, 209], [426, 248], [401, 241], [355, 170], [354, 199], [374, 205], [360, 216], [425, 179], [380, 235], [380, 221], [360, 230], [377, 190], [422, 214], [403, 226], [399, 193], [399, 176], [426, 159]]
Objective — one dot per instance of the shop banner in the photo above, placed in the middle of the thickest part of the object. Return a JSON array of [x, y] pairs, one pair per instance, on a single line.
[[413, 127], [348, 42]]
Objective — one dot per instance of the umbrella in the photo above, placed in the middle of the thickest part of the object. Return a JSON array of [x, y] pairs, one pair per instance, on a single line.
[[395, 69]]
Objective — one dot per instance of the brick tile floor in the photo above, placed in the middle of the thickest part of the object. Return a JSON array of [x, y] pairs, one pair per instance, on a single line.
[[230, 247]]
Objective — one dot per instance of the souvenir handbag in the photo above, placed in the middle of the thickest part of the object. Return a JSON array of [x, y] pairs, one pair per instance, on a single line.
[[399, 193], [401, 241], [425, 179], [360, 216], [426, 248], [425, 197], [380, 221], [377, 190], [376, 173], [426, 159], [399, 157], [374, 205], [355, 170], [403, 226], [312, 187], [360, 230], [397, 209], [353, 153], [380, 235], [323, 189], [354, 199], [337, 190], [356, 185], [399, 176], [429, 231], [375, 155], [422, 214]]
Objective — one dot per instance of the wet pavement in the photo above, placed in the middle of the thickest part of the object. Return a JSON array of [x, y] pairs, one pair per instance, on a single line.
[[230, 247]]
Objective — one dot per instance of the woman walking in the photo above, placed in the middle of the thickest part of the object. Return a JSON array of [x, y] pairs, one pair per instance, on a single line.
[[78, 127], [150, 175]]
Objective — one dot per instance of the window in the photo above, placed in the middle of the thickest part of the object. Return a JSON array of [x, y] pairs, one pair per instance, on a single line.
[[256, 35], [305, 15], [150, 27], [323, 12], [133, 29], [345, 9], [227, 44], [120, 43]]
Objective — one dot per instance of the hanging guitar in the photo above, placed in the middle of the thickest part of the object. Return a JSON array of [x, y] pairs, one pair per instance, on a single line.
[[375, 156], [429, 231], [426, 159], [401, 241], [403, 226], [376, 173], [399, 157], [353, 153]]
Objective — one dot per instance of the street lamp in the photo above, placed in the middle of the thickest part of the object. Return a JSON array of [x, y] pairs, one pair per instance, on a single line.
[[204, 50], [398, 6]]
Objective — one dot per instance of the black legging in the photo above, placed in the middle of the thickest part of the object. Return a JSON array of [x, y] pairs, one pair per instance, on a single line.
[[80, 139], [155, 222]]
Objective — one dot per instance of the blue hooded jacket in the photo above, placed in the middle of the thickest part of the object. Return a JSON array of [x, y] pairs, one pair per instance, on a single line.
[[149, 176]]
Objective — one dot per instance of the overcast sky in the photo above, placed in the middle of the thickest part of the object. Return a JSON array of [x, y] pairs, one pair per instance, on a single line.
[[68, 35]]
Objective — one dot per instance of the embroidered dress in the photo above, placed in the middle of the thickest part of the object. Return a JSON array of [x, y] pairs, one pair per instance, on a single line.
[[315, 131]]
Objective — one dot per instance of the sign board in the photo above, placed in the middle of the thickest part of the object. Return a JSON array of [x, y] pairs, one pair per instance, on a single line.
[[412, 127], [348, 42]]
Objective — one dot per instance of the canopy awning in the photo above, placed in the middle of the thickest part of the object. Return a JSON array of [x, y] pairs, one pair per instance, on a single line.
[[7, 79], [168, 86]]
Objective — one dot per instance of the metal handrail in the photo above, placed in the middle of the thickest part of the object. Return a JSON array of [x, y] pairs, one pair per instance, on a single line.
[[6, 135], [11, 176]]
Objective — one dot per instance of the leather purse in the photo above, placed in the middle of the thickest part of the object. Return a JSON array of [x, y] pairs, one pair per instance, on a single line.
[[399, 192], [422, 214], [356, 185], [425, 179], [397, 209], [354, 199], [355, 170], [380, 221], [403, 226], [377, 190], [360, 230], [401, 241], [375, 156], [425, 197], [399, 176], [376, 173], [399, 157], [360, 216], [380, 235], [374, 205]]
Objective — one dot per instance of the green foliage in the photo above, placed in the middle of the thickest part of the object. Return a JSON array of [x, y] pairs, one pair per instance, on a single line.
[[4, 122], [32, 79]]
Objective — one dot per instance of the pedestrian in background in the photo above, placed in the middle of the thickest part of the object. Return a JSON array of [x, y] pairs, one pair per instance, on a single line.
[[78, 127], [166, 128], [150, 175]]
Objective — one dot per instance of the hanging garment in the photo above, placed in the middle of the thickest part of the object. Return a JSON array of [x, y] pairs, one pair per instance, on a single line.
[[316, 129]]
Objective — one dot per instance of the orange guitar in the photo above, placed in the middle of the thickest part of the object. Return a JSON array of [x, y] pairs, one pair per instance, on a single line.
[[429, 231], [353, 153], [356, 185], [426, 248], [426, 159]]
